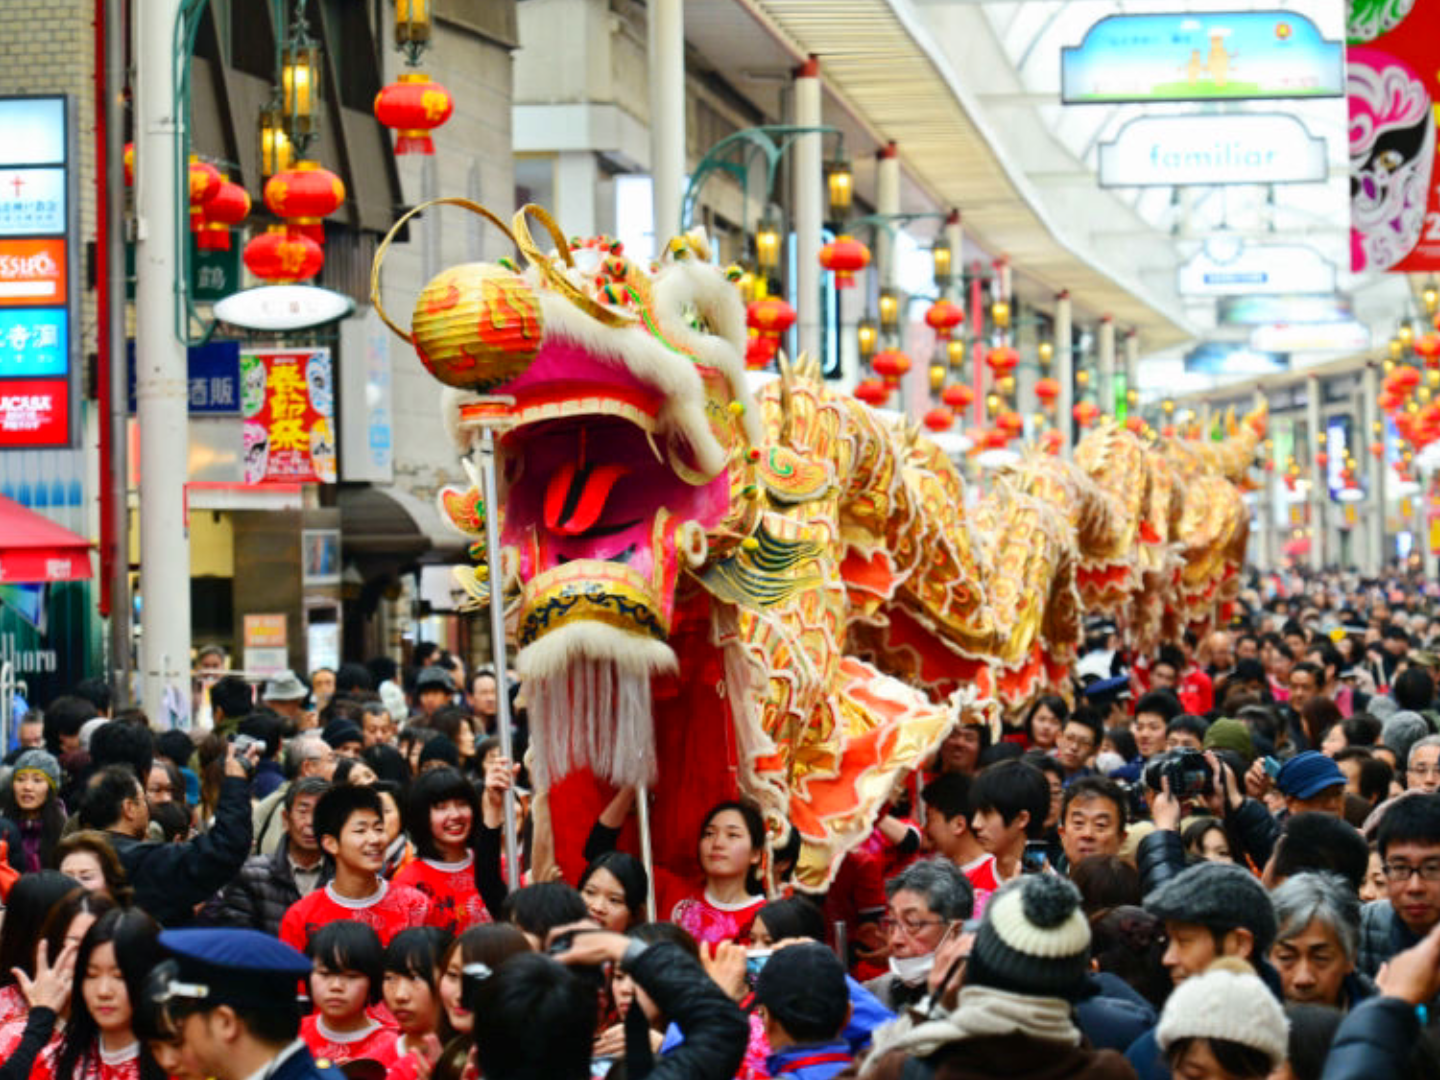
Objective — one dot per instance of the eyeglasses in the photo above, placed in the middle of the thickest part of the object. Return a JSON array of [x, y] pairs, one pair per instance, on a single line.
[[909, 927], [1429, 870], [1426, 772]]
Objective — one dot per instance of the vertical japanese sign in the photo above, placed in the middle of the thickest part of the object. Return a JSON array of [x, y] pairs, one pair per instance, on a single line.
[[287, 400], [1393, 89], [38, 230]]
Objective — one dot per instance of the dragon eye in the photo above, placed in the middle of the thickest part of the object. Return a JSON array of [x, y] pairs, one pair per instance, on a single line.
[[695, 320]]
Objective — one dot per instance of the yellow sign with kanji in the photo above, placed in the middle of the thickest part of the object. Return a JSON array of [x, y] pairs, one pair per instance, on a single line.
[[287, 400]]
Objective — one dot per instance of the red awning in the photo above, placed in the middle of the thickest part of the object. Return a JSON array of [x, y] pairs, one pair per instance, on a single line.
[[34, 549]]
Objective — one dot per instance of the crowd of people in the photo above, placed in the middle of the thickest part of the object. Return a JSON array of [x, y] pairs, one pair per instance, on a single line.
[[1217, 862]]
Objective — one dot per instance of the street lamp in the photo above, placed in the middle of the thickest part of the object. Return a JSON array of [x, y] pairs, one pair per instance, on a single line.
[[840, 183], [889, 311], [1000, 314], [275, 148], [1046, 352], [955, 352], [868, 337], [412, 22], [1430, 297], [942, 255], [300, 86], [767, 246]]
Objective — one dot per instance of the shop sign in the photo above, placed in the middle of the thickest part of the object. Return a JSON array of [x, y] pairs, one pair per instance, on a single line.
[[214, 275], [287, 400], [1350, 336], [265, 652], [34, 412], [1391, 86], [1233, 269], [34, 342], [32, 271], [1178, 151], [278, 308], [1257, 310], [32, 201], [1201, 56]]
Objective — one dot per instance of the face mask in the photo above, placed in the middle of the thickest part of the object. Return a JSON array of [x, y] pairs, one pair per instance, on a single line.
[[912, 970]]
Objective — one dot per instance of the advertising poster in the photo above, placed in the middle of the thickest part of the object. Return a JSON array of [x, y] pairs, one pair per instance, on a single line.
[[288, 402], [1201, 56], [1392, 84]]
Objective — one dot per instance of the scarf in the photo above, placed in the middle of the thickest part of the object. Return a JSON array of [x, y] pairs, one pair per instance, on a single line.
[[980, 1012]]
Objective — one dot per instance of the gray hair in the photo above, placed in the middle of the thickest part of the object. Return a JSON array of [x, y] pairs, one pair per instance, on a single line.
[[1304, 898], [307, 746], [947, 891], [1428, 740]]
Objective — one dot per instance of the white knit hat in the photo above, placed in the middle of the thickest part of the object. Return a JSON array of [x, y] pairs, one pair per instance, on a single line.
[[1225, 1004]]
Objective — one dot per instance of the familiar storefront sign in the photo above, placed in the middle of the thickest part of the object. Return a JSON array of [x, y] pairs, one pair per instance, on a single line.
[[1178, 151]]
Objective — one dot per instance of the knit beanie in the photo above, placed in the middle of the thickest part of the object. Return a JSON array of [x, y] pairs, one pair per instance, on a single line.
[[1227, 1002], [1381, 707], [1401, 731], [1220, 896], [1233, 735], [41, 761], [1034, 939]]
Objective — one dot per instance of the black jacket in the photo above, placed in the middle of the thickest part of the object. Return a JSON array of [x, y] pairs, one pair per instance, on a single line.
[[39, 1026], [1161, 855], [171, 880], [261, 894], [1374, 1040], [716, 1031], [1111, 1015]]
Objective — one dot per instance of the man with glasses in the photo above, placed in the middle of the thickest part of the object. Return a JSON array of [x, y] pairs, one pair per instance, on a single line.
[[1079, 739], [1409, 844], [925, 903], [1422, 768]]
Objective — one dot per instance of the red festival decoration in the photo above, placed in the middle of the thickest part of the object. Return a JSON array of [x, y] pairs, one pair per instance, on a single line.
[[205, 181], [229, 207], [303, 195], [414, 107], [289, 438], [845, 256], [1047, 390], [129, 164], [1322, 459], [957, 396], [1377, 449], [890, 364], [1002, 360], [760, 350], [278, 256], [1135, 423], [1086, 413], [943, 317], [872, 392], [1012, 423], [939, 419], [1427, 347]]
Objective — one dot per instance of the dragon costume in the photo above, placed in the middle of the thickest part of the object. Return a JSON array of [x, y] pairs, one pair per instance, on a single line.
[[782, 595]]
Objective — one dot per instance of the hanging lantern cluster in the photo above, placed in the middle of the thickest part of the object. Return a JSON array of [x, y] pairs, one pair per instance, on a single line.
[[768, 320], [279, 256], [226, 210], [205, 181], [844, 257]]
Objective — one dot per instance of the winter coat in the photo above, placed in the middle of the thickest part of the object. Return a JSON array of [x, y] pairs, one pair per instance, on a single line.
[[1014, 1057], [260, 894], [1374, 1040], [716, 1031], [171, 880], [1382, 935], [1112, 1015]]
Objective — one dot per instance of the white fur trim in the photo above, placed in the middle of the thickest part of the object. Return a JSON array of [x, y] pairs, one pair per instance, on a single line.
[[673, 377]]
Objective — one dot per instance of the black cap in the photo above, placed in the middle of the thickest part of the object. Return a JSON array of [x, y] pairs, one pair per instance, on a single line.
[[432, 678], [803, 987], [340, 731]]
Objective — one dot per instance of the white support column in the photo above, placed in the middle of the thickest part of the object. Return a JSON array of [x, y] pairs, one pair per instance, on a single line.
[[1374, 511], [809, 207], [955, 237], [1105, 364], [1064, 371], [160, 374], [887, 201], [577, 176], [1319, 487], [667, 114], [1132, 362]]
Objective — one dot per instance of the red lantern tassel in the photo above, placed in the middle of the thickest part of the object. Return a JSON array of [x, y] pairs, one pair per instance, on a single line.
[[414, 142], [311, 228], [844, 279]]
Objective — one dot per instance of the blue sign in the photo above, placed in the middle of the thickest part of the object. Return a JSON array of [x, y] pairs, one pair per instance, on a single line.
[[1201, 56], [34, 342], [213, 377]]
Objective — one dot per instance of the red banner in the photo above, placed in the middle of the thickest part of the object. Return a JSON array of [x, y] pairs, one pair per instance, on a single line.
[[34, 412], [287, 400], [1393, 85]]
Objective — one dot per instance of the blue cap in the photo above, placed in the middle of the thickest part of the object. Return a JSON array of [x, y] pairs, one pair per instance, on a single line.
[[1117, 685], [234, 967], [1306, 775]]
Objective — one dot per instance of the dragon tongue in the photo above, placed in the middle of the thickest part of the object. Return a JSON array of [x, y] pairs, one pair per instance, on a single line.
[[575, 497]]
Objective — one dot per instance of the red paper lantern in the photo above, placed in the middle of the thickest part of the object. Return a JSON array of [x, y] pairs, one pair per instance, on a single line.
[[872, 392], [1134, 422], [1051, 442], [1322, 459], [1047, 390], [957, 396], [280, 256], [205, 181], [890, 364], [1012, 423], [414, 106], [129, 164], [303, 195], [1377, 449], [844, 256], [1405, 378], [1002, 360], [939, 419], [229, 207], [1085, 413], [760, 351], [1268, 465], [771, 316], [943, 317], [1427, 346]]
